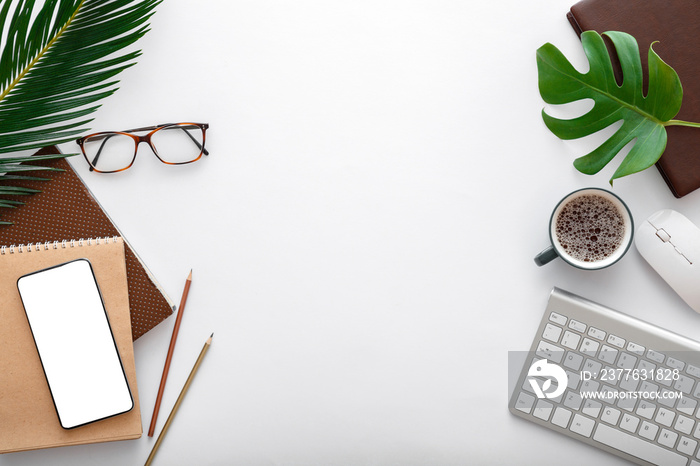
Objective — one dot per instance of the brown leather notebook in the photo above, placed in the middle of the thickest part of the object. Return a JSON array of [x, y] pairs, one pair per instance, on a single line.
[[66, 210], [676, 25]]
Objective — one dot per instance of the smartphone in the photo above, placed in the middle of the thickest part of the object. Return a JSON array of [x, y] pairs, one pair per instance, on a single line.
[[76, 346]]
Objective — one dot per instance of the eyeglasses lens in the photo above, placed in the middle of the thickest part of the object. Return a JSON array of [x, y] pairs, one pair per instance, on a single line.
[[179, 143], [109, 152]]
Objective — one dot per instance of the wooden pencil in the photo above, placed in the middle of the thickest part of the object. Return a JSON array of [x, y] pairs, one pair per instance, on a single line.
[[169, 357], [179, 400]]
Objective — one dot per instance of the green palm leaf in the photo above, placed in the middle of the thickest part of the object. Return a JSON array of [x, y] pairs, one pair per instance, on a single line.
[[58, 58], [645, 117]]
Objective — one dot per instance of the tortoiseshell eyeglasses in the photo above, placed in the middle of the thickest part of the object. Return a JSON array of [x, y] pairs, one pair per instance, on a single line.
[[172, 143]]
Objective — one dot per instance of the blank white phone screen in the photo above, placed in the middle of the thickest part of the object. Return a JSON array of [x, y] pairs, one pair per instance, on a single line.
[[75, 343]]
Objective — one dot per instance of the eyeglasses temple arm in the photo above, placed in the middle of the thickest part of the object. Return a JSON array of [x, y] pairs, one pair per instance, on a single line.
[[99, 151], [145, 128], [199, 146]]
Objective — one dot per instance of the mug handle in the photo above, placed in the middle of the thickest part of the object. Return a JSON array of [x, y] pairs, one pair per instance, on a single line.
[[546, 256]]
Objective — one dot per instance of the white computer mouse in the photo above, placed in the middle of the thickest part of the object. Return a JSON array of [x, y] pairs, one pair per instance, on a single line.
[[671, 244]]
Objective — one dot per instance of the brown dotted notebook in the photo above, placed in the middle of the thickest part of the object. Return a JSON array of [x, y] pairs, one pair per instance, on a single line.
[[676, 25], [67, 210]]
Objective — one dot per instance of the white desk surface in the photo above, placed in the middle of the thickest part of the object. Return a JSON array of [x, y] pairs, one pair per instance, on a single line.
[[362, 234]]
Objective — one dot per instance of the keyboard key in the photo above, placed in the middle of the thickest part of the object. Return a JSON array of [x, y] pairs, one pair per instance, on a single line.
[[611, 416], [626, 361], [637, 447], [582, 425], [551, 352], [649, 387], [687, 406], [557, 318], [573, 361], [589, 347], [684, 424], [574, 379], [668, 438], [628, 383], [687, 446], [607, 354], [629, 423], [656, 356], [635, 348], [665, 417], [675, 363], [543, 409], [665, 378], [646, 409], [524, 402], [646, 368], [608, 394], [594, 367], [591, 408], [573, 400], [616, 341], [561, 417], [667, 397], [589, 386], [596, 333], [684, 384], [692, 370], [578, 326], [696, 433], [648, 430], [570, 340], [611, 375], [551, 333]]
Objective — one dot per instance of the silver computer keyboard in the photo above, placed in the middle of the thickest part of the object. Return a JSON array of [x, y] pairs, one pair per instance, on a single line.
[[612, 381]]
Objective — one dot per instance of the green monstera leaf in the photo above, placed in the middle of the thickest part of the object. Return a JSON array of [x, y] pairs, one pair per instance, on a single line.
[[645, 117]]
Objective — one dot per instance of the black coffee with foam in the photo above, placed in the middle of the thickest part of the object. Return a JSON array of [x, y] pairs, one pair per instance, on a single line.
[[590, 228]]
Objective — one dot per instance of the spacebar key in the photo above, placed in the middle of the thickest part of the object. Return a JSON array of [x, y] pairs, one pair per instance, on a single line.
[[637, 447]]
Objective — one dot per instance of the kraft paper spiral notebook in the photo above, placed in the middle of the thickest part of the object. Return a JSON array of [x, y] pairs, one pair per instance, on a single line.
[[28, 418], [676, 25], [65, 209]]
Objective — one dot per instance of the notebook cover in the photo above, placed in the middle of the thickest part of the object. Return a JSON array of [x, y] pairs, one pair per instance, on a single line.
[[65, 209], [676, 25], [28, 419]]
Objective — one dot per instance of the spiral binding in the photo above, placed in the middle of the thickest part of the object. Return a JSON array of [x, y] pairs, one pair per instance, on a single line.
[[29, 247]]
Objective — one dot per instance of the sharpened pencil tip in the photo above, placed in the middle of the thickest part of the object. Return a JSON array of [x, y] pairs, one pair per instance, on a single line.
[[189, 277], [212, 335]]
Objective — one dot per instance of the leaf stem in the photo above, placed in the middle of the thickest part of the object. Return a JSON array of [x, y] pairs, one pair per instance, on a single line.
[[682, 123]]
